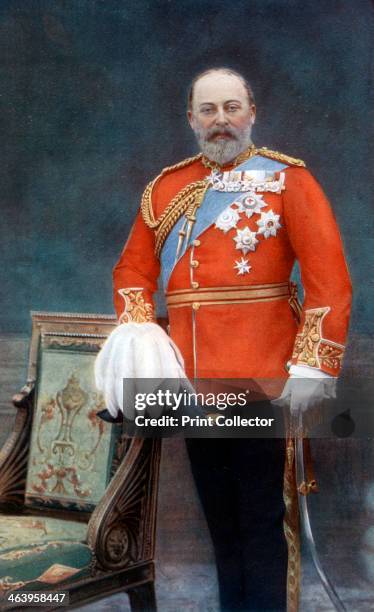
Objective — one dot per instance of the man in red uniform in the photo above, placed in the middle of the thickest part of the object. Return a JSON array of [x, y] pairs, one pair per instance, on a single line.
[[224, 229]]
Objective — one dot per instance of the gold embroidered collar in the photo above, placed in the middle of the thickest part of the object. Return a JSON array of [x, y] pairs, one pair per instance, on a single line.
[[239, 159]]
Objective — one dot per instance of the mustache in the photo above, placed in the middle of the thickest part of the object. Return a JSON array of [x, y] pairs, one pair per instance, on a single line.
[[212, 132]]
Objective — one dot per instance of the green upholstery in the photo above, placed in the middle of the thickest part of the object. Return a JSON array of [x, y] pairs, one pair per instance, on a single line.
[[37, 551], [71, 459], [72, 449]]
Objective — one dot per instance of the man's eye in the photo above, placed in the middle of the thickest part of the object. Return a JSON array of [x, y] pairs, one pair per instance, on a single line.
[[207, 111], [233, 109]]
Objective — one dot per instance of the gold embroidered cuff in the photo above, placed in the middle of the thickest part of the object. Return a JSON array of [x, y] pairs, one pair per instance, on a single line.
[[312, 350], [137, 310], [330, 356]]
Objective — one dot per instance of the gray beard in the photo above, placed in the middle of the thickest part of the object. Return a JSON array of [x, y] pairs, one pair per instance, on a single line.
[[223, 151]]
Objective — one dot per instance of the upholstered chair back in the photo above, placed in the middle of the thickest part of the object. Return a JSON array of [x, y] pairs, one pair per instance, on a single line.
[[73, 452]]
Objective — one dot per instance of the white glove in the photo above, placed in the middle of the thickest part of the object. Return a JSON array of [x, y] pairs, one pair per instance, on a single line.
[[305, 389], [135, 351]]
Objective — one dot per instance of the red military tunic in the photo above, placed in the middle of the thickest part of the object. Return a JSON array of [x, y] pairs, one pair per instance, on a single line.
[[223, 333], [230, 307]]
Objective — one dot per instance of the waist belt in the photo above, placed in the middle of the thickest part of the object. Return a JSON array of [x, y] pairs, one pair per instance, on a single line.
[[229, 295]]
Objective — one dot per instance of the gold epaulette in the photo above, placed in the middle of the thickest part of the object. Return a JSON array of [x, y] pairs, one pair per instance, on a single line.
[[182, 164], [146, 202], [293, 161]]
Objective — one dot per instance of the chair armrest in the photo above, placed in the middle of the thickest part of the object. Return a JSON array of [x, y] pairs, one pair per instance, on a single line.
[[121, 531], [24, 397], [14, 453]]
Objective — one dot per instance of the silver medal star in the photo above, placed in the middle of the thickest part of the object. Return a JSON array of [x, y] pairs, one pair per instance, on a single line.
[[242, 266]]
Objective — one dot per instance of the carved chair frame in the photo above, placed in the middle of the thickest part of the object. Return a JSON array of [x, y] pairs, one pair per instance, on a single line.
[[121, 529]]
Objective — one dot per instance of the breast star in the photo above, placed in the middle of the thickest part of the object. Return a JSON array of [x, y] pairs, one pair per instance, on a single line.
[[242, 266]]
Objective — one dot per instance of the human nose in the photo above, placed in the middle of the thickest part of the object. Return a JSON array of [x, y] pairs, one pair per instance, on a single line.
[[221, 118]]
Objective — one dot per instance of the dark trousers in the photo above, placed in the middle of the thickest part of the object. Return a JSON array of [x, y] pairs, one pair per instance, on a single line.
[[240, 485]]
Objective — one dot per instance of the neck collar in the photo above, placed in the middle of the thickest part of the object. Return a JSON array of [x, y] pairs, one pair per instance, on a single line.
[[239, 159]]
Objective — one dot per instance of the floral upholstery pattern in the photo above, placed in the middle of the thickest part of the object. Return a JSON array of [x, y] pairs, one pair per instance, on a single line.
[[37, 551], [72, 457], [71, 449]]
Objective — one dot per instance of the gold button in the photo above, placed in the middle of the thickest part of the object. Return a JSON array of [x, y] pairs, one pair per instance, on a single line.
[[195, 285], [196, 242], [312, 362], [194, 263], [196, 305]]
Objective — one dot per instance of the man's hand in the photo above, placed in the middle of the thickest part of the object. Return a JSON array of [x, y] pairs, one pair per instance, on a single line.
[[302, 394]]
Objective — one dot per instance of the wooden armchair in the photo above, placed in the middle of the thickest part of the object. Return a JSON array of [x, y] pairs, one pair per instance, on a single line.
[[77, 496]]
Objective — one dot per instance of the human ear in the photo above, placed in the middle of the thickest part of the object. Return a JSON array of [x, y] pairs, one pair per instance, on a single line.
[[190, 118], [253, 114]]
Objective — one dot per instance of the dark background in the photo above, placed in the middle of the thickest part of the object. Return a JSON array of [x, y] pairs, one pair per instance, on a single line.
[[92, 96], [92, 106]]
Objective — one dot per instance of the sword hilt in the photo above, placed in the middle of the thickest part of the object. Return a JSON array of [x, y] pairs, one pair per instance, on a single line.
[[305, 488]]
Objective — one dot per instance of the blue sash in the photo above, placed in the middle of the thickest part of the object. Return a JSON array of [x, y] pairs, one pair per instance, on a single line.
[[212, 205]]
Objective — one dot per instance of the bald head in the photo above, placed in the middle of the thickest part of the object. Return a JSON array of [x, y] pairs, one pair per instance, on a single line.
[[216, 72], [221, 113]]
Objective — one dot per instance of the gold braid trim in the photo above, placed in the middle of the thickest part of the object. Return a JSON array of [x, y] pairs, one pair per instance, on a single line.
[[293, 161], [242, 157], [291, 526], [146, 203], [137, 310], [331, 355], [312, 349], [186, 201]]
